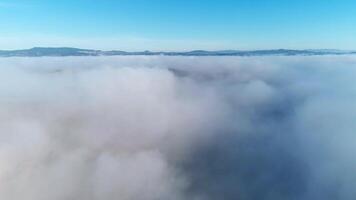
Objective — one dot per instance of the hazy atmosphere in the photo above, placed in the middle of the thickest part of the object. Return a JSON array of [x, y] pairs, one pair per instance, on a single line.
[[141, 127], [177, 100]]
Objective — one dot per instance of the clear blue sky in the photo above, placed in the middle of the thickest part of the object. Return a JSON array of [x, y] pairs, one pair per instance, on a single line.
[[178, 24]]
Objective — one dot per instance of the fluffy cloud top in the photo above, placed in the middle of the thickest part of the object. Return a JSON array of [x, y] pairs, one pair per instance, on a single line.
[[148, 128]]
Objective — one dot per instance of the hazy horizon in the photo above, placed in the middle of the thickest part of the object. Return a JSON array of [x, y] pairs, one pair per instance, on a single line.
[[141, 50]]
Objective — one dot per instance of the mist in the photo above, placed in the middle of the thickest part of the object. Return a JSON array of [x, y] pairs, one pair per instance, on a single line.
[[195, 128]]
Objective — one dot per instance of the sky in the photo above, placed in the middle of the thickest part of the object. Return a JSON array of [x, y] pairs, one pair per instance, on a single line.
[[178, 24]]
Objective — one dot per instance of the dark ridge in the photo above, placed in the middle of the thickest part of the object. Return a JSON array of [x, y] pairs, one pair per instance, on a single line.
[[68, 51]]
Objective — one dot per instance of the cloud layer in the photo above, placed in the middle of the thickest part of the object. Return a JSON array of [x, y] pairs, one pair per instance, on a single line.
[[147, 128]]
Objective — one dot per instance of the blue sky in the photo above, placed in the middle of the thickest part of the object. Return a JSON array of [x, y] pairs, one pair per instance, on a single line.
[[178, 24]]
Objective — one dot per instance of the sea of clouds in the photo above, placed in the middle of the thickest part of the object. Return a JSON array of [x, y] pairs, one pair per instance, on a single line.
[[178, 128]]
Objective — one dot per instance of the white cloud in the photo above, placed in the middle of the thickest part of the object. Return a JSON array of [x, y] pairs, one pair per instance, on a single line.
[[140, 127]]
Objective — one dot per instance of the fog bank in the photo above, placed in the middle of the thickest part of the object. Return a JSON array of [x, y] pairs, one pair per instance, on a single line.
[[196, 128]]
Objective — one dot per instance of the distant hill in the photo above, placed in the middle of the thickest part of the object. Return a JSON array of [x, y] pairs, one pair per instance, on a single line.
[[67, 51]]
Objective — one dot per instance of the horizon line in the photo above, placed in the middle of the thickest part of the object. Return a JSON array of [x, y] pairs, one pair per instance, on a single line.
[[190, 50]]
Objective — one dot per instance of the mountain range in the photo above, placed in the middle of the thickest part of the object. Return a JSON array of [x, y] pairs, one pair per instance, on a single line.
[[68, 51]]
